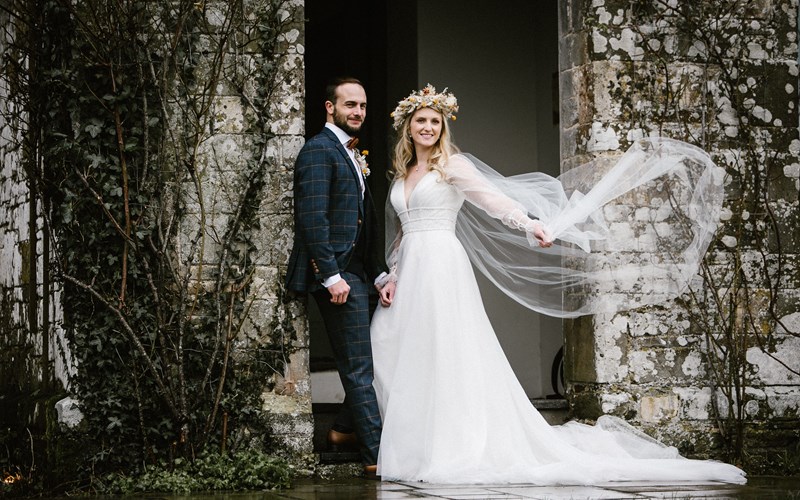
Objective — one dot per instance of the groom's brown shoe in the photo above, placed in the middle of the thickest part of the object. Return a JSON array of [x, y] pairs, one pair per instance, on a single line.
[[342, 441], [371, 472]]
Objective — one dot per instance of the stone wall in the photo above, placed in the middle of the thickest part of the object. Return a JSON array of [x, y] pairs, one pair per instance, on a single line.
[[722, 76]]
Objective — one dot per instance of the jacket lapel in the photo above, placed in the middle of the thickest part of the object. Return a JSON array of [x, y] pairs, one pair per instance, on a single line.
[[354, 169]]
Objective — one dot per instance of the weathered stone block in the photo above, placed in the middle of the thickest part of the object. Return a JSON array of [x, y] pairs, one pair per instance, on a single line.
[[658, 407], [228, 115], [275, 239], [291, 425], [584, 401], [655, 79], [694, 402], [778, 365], [616, 403]]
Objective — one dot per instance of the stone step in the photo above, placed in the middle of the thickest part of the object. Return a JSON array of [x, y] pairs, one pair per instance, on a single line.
[[555, 410]]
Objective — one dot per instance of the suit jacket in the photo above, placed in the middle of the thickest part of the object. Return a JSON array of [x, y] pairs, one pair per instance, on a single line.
[[329, 214]]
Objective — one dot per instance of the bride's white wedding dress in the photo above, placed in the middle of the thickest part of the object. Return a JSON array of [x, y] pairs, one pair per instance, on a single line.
[[453, 410]]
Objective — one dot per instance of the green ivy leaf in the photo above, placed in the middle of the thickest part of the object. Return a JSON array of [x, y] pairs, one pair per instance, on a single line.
[[113, 422], [93, 130]]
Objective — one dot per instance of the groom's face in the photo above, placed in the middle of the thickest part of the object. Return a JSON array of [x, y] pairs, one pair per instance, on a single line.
[[350, 108]]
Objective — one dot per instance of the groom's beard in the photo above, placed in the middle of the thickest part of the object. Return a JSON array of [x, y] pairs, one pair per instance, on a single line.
[[340, 120]]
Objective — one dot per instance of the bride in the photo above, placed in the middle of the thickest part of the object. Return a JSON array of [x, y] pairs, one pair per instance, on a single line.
[[452, 409]]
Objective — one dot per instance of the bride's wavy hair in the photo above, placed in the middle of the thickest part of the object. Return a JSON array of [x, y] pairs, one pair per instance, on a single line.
[[405, 156]]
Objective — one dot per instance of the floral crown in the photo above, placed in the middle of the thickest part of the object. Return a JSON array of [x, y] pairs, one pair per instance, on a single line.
[[444, 102]]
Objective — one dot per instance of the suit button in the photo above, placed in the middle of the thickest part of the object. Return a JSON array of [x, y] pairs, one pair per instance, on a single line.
[[359, 221], [354, 244]]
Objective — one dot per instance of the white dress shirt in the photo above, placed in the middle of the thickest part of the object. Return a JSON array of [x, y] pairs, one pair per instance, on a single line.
[[343, 138]]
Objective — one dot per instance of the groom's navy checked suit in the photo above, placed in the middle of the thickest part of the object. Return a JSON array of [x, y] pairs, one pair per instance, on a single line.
[[335, 233]]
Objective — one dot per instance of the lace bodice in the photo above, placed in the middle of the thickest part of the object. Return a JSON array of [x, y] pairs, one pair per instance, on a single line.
[[433, 205]]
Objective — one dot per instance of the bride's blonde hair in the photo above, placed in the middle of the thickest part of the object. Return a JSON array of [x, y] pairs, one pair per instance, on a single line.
[[405, 155]]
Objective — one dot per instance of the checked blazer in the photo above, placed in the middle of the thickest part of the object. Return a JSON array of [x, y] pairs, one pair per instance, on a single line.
[[329, 216]]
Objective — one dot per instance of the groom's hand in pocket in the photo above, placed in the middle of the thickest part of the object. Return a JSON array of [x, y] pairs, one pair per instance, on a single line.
[[387, 293]]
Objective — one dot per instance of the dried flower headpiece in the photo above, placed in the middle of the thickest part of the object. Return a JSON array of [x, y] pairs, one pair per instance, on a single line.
[[444, 102]]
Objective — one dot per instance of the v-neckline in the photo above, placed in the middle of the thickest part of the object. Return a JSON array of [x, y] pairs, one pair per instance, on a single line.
[[407, 200]]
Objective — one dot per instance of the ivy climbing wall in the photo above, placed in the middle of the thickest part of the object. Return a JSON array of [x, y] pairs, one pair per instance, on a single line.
[[145, 217]]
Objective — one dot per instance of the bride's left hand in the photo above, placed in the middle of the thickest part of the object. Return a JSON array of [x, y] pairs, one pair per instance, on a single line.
[[387, 293], [542, 235]]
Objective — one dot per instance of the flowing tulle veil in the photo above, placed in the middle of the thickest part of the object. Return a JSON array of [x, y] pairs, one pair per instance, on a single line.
[[627, 233]]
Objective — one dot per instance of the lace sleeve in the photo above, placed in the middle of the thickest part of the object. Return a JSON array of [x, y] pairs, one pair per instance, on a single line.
[[487, 196]]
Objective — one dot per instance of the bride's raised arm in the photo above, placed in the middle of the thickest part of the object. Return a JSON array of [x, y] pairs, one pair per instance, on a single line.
[[482, 193]]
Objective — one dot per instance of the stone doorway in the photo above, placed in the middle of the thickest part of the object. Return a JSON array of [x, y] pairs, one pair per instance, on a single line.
[[502, 63]]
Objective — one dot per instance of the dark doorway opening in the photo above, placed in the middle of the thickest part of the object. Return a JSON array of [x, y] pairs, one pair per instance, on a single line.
[[374, 41], [502, 64]]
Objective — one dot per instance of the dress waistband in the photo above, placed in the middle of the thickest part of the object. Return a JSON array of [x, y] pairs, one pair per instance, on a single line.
[[428, 219]]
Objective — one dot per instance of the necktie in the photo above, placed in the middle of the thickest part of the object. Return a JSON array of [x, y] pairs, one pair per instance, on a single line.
[[352, 143]]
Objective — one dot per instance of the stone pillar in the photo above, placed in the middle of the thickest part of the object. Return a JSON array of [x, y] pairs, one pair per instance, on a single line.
[[227, 160], [31, 341], [34, 361], [728, 83]]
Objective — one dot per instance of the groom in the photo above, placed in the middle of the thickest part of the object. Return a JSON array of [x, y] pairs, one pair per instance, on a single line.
[[334, 260]]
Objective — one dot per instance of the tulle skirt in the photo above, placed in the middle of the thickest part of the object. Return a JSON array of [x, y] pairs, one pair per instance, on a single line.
[[453, 410]]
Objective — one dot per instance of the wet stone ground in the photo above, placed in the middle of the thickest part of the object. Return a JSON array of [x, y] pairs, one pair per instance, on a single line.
[[758, 488]]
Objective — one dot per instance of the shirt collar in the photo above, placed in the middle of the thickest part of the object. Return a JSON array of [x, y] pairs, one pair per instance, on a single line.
[[340, 134]]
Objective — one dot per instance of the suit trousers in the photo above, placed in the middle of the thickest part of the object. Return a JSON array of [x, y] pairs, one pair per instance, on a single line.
[[348, 330]]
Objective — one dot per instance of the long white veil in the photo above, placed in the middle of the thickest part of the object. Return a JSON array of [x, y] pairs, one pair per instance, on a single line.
[[627, 233]]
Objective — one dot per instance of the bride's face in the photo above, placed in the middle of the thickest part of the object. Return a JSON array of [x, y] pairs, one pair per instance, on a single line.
[[425, 127]]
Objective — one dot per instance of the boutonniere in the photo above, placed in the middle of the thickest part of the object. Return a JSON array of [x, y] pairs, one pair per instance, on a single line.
[[361, 160]]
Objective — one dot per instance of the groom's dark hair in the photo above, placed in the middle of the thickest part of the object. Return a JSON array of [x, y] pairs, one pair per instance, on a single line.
[[330, 89]]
